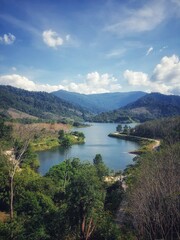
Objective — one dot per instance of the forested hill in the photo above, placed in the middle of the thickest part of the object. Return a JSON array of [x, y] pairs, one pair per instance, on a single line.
[[163, 104], [97, 103], [39, 104], [148, 107]]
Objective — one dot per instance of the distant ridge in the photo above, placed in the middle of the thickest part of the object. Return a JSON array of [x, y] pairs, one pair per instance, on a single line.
[[97, 103], [38, 104], [148, 107]]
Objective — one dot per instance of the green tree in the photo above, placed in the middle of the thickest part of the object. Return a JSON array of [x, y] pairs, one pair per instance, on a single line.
[[61, 134], [66, 142], [126, 130], [101, 168], [85, 201], [119, 128]]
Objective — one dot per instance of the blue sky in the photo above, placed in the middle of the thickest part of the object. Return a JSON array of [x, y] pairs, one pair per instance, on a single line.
[[90, 46]]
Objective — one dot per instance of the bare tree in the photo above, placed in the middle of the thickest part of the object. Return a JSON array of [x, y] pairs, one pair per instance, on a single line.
[[22, 134], [154, 201]]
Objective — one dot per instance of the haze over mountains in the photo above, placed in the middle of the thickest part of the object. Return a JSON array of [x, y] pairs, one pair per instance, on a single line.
[[97, 103], [149, 107], [107, 107]]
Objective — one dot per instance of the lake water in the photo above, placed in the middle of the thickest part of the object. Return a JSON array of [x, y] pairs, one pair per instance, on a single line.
[[114, 151]]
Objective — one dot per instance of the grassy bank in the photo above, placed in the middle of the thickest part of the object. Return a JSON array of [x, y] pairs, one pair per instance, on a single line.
[[49, 142], [146, 144], [44, 143]]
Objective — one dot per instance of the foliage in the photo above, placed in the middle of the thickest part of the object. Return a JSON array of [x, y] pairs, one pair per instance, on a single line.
[[119, 128], [101, 168], [149, 107], [167, 129], [114, 194], [5, 134], [40, 104], [67, 139]]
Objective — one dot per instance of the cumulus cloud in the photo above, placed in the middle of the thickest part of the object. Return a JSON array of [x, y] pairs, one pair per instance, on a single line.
[[136, 78], [165, 77], [23, 82], [52, 39], [149, 51], [94, 83], [167, 71], [7, 39], [139, 20]]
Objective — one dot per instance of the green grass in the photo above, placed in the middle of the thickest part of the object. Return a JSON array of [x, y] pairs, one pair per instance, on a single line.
[[47, 143]]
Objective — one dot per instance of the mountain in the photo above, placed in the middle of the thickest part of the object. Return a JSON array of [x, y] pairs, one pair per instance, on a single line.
[[38, 104], [148, 107], [97, 103]]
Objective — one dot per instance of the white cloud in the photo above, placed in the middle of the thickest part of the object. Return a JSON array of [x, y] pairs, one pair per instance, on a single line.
[[7, 39], [149, 51], [139, 20], [94, 83], [23, 82], [165, 77], [116, 53], [136, 78], [52, 39]]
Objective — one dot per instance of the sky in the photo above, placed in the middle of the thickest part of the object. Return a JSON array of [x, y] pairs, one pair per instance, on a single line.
[[90, 46]]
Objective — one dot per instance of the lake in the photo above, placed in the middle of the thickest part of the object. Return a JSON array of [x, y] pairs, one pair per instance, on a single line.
[[114, 151]]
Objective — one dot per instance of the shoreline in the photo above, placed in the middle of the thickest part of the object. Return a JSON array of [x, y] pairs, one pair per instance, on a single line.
[[146, 144]]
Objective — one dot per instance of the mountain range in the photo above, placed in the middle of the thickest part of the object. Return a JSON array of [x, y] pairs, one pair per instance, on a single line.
[[124, 107], [97, 103], [149, 107]]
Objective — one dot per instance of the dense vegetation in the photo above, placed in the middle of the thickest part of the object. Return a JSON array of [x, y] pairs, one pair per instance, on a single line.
[[167, 129], [71, 201], [97, 103], [73, 107], [149, 107], [39, 104]]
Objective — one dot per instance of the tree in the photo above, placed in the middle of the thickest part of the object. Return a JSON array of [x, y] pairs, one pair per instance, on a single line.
[[85, 201], [126, 129], [61, 134], [119, 128], [97, 160], [101, 168], [16, 156], [66, 142], [154, 196]]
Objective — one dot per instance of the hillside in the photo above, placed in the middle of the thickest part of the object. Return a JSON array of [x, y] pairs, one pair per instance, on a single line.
[[38, 104], [97, 103], [148, 107]]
